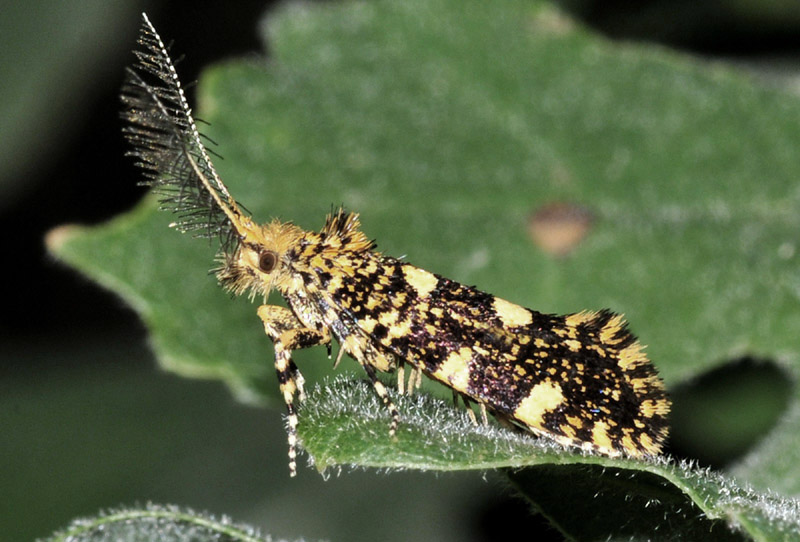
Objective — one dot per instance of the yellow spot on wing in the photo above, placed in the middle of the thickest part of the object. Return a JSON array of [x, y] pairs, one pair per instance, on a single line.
[[575, 422], [627, 443], [600, 436], [609, 333], [574, 320], [641, 385], [512, 315], [396, 327], [455, 369], [388, 319], [631, 357], [647, 443], [542, 398], [422, 281], [651, 407], [368, 324], [568, 430]]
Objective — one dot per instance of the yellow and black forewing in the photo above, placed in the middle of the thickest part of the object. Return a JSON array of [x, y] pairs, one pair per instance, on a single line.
[[581, 379]]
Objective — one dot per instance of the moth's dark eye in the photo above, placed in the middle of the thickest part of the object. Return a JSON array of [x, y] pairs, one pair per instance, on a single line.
[[267, 261]]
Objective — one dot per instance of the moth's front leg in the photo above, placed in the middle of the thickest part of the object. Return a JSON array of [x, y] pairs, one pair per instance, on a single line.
[[287, 334]]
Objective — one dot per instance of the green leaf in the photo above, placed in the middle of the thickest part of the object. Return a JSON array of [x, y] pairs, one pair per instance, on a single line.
[[589, 497], [446, 125], [155, 522]]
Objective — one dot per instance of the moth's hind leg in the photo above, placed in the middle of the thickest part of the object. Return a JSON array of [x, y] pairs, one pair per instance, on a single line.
[[468, 402], [414, 379], [287, 334]]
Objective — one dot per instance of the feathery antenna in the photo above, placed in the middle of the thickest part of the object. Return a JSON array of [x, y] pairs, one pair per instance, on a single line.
[[170, 149]]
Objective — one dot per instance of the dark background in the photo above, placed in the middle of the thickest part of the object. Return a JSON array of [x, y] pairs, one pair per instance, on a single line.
[[64, 162]]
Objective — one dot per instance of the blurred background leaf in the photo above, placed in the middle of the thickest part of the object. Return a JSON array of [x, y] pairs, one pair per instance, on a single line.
[[55, 324], [162, 523], [56, 58]]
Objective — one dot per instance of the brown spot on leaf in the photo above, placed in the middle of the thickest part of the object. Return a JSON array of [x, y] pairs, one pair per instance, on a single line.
[[558, 227]]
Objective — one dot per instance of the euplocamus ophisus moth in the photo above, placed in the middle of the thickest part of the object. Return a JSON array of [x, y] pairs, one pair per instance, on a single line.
[[581, 380]]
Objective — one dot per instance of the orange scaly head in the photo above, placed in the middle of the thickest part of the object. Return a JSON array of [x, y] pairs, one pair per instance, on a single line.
[[262, 260]]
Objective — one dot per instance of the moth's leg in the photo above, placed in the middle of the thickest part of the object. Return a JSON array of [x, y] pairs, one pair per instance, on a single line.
[[339, 355], [468, 404], [401, 380], [417, 374], [380, 389], [414, 380], [280, 320], [484, 416], [287, 334]]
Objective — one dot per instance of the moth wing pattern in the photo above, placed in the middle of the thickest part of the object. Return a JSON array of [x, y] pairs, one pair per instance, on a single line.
[[580, 379]]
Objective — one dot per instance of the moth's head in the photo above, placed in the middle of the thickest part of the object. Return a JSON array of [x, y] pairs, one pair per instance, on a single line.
[[261, 259]]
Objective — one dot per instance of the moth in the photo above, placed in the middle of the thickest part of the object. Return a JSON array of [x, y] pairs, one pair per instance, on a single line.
[[581, 379]]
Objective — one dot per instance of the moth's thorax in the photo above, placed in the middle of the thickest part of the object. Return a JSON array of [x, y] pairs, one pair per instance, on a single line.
[[279, 255], [313, 307], [328, 264]]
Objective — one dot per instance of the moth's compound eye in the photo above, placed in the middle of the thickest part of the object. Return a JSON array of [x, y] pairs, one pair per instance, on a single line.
[[267, 261]]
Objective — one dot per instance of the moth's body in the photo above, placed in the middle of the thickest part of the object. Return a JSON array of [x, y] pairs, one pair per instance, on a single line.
[[581, 379]]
